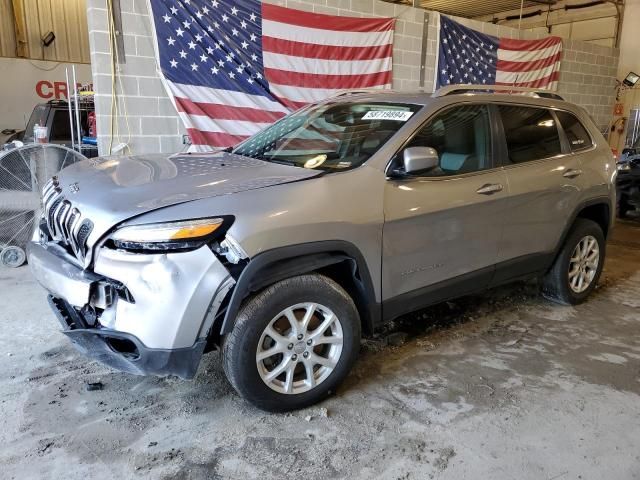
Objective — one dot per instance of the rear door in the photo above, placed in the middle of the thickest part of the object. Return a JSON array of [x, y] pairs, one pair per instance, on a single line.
[[544, 187], [442, 227]]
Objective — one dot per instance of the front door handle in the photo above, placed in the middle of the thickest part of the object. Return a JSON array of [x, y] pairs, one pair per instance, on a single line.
[[571, 173], [489, 189]]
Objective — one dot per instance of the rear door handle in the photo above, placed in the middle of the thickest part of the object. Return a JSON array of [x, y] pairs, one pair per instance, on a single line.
[[489, 189], [571, 173]]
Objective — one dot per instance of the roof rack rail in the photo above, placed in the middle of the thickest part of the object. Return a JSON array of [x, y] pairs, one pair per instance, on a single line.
[[356, 91], [462, 89]]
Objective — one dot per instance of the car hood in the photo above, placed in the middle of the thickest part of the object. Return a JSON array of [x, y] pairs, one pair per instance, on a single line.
[[109, 190]]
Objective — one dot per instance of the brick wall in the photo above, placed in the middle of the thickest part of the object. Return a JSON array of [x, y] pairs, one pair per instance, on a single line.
[[587, 71]]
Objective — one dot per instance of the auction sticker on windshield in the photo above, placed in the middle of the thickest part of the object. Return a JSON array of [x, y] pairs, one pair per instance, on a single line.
[[400, 115]]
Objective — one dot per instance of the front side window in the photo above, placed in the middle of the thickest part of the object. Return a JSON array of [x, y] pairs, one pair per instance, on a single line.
[[531, 133], [462, 137], [330, 137], [576, 133]]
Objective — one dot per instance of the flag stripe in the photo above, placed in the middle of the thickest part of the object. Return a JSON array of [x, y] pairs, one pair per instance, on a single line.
[[536, 83], [523, 77], [217, 139], [320, 36], [235, 99], [526, 55], [328, 22], [301, 96], [226, 112], [232, 127], [532, 45], [506, 66], [325, 67], [327, 52], [293, 105], [299, 79]]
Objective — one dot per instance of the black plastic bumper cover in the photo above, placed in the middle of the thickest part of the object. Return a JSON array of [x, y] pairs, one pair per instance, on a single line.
[[629, 188], [95, 343]]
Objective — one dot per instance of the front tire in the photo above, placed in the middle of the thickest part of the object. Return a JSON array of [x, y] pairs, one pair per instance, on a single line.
[[293, 343], [577, 268]]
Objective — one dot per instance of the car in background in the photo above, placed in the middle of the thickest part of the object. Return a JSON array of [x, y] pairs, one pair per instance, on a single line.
[[628, 181], [54, 115], [283, 250], [12, 135]]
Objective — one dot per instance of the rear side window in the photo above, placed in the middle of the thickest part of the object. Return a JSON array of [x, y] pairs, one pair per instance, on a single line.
[[60, 127], [576, 133], [531, 133]]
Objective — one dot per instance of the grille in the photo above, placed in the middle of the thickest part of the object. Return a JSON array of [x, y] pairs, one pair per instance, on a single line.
[[64, 221]]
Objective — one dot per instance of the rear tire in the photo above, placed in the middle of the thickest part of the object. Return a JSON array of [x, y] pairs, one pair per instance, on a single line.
[[578, 266], [293, 343]]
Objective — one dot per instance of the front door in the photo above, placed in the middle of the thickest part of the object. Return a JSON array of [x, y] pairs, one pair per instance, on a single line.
[[442, 226]]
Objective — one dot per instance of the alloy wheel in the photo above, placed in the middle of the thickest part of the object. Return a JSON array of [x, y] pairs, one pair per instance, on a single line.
[[299, 348], [583, 264]]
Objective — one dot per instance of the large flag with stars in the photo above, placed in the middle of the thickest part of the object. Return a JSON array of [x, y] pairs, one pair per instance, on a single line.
[[234, 67], [468, 56]]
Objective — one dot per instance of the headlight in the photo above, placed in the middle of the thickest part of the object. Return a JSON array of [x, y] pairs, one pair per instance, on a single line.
[[624, 167], [165, 236]]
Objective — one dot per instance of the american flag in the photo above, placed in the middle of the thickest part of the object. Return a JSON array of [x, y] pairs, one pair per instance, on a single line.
[[470, 57], [234, 67]]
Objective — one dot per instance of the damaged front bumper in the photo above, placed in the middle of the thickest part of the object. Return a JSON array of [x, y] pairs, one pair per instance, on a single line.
[[138, 313]]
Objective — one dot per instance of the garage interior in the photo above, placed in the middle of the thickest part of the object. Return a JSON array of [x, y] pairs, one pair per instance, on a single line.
[[503, 384]]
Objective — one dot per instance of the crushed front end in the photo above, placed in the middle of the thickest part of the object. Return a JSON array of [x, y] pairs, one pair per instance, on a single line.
[[142, 307]]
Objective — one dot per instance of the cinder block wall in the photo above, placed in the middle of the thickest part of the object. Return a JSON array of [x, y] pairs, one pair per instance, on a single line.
[[588, 78], [151, 123]]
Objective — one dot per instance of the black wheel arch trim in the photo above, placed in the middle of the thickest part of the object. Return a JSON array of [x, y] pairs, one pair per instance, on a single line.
[[279, 263], [603, 200]]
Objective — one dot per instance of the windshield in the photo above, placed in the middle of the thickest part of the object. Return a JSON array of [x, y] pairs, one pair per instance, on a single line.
[[329, 137], [39, 116]]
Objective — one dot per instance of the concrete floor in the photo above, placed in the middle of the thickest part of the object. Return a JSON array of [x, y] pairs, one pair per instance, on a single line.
[[505, 385]]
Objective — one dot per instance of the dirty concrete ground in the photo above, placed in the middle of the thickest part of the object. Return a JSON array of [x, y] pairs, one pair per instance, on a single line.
[[499, 386]]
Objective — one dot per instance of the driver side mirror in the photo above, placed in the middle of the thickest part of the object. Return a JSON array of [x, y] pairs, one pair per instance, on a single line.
[[419, 159]]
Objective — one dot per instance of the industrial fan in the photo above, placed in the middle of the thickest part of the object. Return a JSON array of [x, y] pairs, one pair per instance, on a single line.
[[23, 172]]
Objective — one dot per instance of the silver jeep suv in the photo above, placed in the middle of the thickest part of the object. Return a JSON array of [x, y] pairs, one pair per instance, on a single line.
[[285, 249]]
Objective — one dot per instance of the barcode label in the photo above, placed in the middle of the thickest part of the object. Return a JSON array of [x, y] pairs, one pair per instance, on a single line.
[[401, 116]]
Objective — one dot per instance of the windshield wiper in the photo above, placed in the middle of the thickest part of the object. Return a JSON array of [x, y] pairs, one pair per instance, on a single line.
[[283, 162]]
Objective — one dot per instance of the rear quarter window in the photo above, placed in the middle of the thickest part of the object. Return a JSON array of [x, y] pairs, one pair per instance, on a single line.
[[576, 133]]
